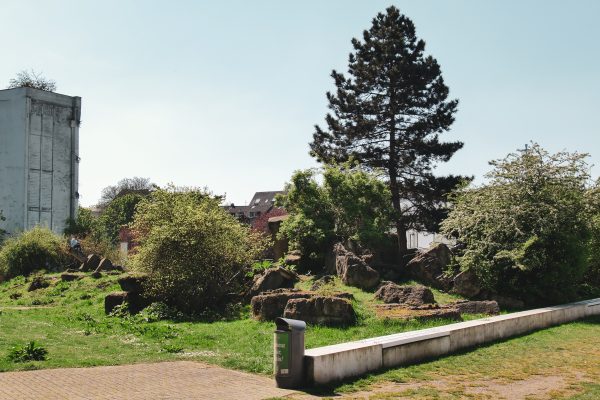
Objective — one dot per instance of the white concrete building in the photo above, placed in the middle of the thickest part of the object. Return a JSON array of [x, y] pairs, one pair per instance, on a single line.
[[423, 240], [39, 158]]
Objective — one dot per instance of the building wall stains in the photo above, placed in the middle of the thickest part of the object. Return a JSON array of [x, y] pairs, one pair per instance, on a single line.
[[39, 158]]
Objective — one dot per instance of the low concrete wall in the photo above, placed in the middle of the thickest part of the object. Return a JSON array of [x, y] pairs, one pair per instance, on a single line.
[[333, 363]]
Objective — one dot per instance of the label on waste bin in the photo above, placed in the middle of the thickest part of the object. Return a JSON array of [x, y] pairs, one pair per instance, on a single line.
[[282, 353]]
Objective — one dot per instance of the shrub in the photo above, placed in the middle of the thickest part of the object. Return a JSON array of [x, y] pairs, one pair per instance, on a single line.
[[32, 79], [193, 250], [593, 211], [159, 311], [97, 235], [28, 352], [101, 246], [36, 249], [350, 205], [525, 232]]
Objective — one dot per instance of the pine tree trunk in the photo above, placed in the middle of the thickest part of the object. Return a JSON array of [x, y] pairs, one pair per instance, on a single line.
[[393, 174], [400, 227], [402, 242]]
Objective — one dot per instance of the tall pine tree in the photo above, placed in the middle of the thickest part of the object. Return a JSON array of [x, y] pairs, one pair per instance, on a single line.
[[388, 114]]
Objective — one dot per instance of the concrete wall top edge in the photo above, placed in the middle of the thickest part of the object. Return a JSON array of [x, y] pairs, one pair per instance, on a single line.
[[440, 331], [41, 95], [338, 348]]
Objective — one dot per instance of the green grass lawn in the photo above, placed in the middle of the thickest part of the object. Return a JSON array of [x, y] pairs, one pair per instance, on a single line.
[[68, 319], [562, 361]]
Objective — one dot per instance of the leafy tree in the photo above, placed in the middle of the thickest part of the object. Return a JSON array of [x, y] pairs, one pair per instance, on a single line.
[[388, 114], [120, 211], [593, 216], [192, 249], [83, 225], [350, 205], [125, 186], [32, 79], [525, 232]]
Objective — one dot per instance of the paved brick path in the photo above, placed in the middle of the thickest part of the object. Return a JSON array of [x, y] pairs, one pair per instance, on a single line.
[[181, 380]]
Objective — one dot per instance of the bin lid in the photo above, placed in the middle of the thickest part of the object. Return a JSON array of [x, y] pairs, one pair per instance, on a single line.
[[290, 324]]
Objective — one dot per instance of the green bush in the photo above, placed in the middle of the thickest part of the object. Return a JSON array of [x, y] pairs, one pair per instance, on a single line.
[[118, 212], [350, 205], [82, 225], [194, 252], [98, 235], [593, 211], [525, 233], [36, 249], [28, 352]]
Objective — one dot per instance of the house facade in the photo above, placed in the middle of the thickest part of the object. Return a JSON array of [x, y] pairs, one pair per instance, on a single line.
[[261, 203]]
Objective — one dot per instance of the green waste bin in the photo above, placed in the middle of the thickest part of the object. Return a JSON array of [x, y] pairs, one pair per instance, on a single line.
[[288, 354]]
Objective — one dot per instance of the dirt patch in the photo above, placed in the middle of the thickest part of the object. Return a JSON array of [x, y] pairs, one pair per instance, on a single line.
[[533, 387], [538, 387]]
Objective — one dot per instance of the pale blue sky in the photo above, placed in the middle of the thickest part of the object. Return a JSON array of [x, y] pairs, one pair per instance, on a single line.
[[225, 94]]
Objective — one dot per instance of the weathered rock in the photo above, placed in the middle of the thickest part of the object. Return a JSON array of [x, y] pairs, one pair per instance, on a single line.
[[90, 264], [329, 260], [96, 274], [353, 270], [389, 272], [429, 266], [398, 311], [466, 284], [292, 258], [133, 283], [105, 265], [270, 305], [323, 310], [409, 295], [38, 282], [508, 302], [476, 307], [113, 300], [343, 295], [68, 276], [273, 278], [323, 281], [135, 302]]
